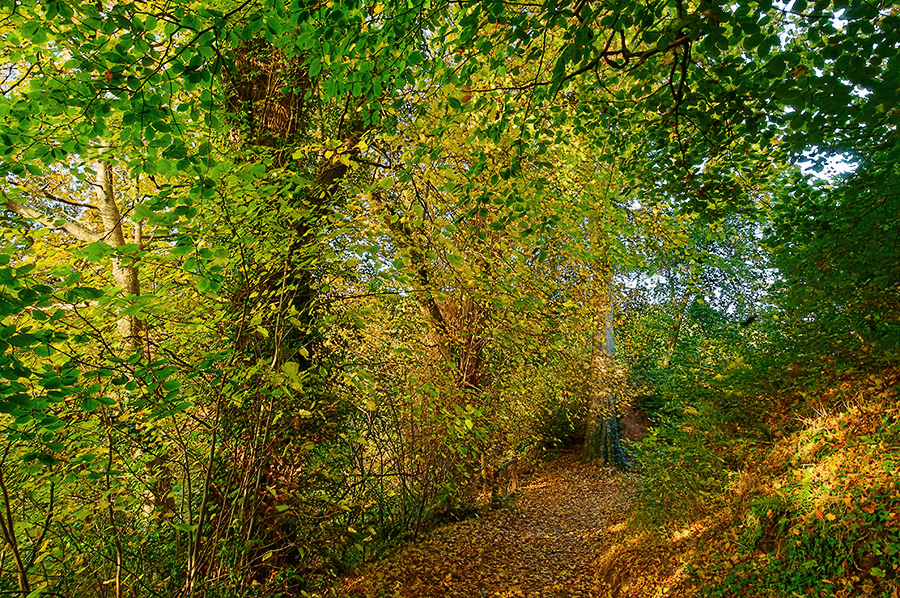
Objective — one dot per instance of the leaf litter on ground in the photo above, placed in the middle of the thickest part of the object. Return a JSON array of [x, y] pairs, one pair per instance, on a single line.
[[546, 544]]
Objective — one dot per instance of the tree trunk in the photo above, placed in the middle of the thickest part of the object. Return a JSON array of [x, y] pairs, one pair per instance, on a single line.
[[124, 276], [112, 234], [8, 532], [674, 333], [601, 438], [439, 334]]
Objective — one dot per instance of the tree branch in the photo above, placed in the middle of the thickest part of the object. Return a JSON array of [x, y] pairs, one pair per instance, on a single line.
[[81, 233], [40, 542], [52, 197]]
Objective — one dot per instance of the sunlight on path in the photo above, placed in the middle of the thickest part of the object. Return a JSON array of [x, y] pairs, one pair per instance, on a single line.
[[564, 515]]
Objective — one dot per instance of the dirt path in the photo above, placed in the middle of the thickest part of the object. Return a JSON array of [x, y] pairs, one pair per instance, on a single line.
[[547, 545]]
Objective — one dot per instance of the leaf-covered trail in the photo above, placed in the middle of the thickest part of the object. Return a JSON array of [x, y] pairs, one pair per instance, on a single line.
[[566, 516]]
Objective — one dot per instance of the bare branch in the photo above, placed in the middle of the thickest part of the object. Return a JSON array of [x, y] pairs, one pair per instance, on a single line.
[[52, 197], [78, 231]]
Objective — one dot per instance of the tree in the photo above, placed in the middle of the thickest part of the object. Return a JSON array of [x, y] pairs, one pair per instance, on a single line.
[[833, 243], [601, 440], [124, 270]]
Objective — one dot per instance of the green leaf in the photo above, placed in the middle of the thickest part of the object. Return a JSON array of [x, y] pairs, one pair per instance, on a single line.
[[95, 252], [291, 369], [90, 405]]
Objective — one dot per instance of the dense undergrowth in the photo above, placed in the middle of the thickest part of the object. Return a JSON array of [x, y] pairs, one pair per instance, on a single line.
[[803, 501], [766, 478]]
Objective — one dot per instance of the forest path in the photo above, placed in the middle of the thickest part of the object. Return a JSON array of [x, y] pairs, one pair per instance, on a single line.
[[567, 516]]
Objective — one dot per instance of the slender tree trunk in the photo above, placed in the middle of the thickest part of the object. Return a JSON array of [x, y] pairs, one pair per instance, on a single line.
[[8, 533], [439, 334], [124, 276], [601, 439], [675, 331]]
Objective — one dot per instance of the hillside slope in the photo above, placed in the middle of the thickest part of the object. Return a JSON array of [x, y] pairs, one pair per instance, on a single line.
[[813, 512]]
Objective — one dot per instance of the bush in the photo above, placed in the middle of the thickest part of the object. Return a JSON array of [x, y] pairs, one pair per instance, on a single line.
[[683, 478]]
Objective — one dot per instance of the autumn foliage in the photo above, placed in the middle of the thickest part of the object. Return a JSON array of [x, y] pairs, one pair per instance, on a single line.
[[293, 294]]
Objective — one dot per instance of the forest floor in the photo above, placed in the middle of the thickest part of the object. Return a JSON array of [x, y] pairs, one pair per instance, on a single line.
[[564, 534]]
